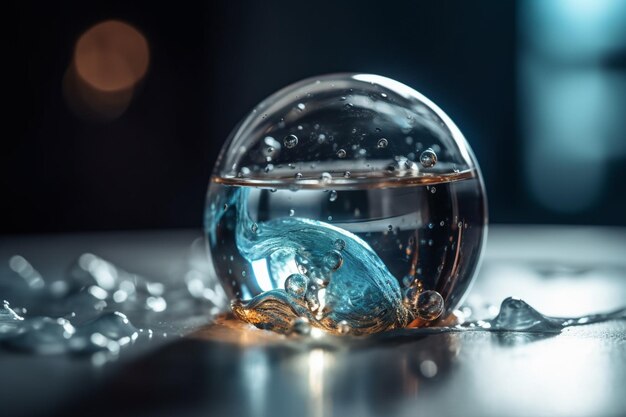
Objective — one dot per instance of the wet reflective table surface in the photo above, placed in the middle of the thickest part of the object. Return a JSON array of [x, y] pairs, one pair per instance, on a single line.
[[194, 367]]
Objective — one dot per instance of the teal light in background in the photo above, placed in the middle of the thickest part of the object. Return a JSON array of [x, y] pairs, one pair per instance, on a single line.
[[571, 104]]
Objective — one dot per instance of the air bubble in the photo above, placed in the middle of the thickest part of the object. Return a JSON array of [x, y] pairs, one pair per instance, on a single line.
[[290, 141], [339, 244], [428, 158], [343, 327], [341, 153], [382, 143], [333, 260], [254, 227], [429, 305], [301, 326], [291, 212], [296, 285], [326, 178], [333, 195]]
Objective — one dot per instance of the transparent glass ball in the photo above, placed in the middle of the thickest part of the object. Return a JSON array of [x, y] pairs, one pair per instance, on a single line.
[[339, 201]]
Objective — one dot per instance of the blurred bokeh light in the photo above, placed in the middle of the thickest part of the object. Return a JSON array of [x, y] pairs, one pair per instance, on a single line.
[[109, 59], [572, 101], [112, 56]]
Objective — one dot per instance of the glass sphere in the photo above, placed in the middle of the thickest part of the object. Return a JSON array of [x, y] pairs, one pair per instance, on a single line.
[[341, 200]]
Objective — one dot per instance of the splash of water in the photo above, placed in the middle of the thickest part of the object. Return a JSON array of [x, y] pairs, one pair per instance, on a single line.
[[87, 311], [372, 303], [71, 315], [47, 335], [518, 316]]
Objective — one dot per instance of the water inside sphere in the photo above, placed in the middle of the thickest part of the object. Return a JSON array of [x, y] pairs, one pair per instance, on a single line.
[[349, 202]]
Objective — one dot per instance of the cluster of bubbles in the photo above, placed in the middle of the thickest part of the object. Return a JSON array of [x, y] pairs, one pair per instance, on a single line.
[[315, 273], [401, 164], [309, 285], [427, 159], [426, 305]]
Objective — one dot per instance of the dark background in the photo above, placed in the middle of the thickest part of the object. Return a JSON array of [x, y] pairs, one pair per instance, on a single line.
[[483, 62]]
